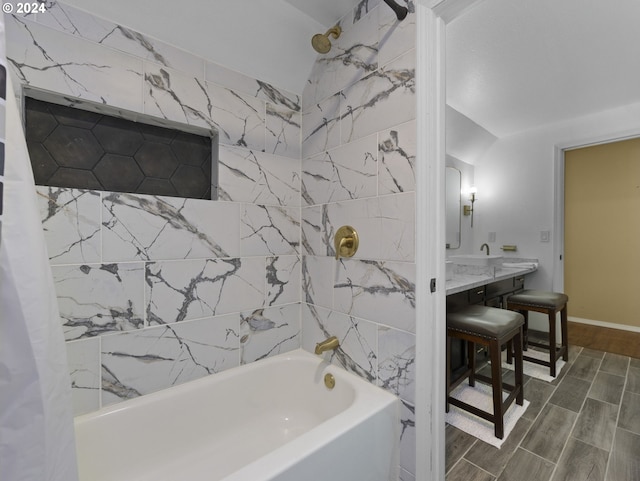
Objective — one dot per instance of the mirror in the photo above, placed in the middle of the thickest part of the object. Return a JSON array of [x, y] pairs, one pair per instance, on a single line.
[[453, 179]]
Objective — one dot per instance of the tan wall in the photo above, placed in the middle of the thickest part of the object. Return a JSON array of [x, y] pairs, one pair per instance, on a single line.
[[602, 232]]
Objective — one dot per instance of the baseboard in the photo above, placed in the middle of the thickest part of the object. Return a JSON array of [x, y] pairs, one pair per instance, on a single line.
[[610, 325]]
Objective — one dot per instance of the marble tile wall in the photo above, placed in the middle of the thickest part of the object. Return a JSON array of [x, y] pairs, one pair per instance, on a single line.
[[358, 158], [154, 291]]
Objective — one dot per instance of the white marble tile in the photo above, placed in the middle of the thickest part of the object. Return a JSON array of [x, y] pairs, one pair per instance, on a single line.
[[346, 172], [239, 118], [71, 224], [363, 8], [262, 90], [282, 131], [321, 126], [183, 290], [83, 357], [269, 331], [313, 230], [318, 278], [380, 291], [397, 227], [396, 362], [357, 351], [396, 37], [73, 21], [154, 227], [99, 298], [47, 59], [352, 56], [397, 159], [159, 357], [283, 280], [364, 216], [408, 439], [269, 230], [176, 96], [381, 100], [257, 177]]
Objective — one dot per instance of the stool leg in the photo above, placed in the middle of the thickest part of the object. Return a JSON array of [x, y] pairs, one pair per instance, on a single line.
[[496, 382], [509, 352], [564, 330], [471, 355], [525, 330], [519, 383], [552, 341]]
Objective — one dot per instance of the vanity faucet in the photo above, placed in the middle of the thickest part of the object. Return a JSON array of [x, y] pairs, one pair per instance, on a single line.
[[329, 344], [483, 246]]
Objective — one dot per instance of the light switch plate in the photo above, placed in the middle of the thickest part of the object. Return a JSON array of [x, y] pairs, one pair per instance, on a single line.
[[545, 236]]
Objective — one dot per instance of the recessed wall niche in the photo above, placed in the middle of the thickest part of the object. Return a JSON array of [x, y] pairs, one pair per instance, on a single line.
[[85, 149]]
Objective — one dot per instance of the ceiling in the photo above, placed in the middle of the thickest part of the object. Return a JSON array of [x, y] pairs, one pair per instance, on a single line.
[[512, 65]]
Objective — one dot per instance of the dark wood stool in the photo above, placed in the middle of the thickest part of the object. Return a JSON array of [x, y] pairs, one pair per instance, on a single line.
[[491, 327], [548, 303]]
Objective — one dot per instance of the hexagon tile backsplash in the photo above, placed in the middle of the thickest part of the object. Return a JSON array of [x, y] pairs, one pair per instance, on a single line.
[[87, 150]]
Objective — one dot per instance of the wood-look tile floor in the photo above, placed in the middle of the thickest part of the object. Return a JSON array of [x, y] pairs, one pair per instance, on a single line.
[[583, 426]]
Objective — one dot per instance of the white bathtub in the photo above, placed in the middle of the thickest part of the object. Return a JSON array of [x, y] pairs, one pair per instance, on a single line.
[[270, 420]]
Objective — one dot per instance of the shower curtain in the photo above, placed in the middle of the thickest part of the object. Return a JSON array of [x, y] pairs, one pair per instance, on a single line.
[[36, 423]]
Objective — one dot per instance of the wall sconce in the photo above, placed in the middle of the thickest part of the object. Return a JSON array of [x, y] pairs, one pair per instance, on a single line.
[[468, 209]]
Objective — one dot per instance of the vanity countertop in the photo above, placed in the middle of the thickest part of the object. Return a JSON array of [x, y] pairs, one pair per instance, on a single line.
[[462, 282]]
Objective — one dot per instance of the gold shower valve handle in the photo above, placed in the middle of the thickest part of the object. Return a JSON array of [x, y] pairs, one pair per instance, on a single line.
[[346, 242]]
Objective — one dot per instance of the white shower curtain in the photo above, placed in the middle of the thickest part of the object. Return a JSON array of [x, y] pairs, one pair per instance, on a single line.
[[36, 423]]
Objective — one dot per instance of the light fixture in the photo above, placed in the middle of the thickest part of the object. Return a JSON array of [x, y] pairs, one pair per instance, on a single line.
[[468, 209]]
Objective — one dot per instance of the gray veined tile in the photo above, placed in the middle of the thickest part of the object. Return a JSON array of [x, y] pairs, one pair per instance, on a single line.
[[182, 290], [596, 423], [257, 177], [283, 280], [70, 66], [283, 127], [396, 362], [159, 357], [269, 331], [396, 158], [83, 357], [343, 173], [383, 292], [99, 298], [142, 227], [407, 436], [549, 433], [73, 21], [269, 230], [321, 126], [71, 224], [381, 100], [537, 393], [457, 442], [633, 380], [357, 352], [174, 95]]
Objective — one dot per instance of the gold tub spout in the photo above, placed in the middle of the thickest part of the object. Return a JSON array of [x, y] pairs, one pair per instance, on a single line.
[[327, 345]]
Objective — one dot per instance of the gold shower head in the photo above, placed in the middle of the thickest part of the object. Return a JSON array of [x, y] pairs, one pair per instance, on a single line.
[[321, 43]]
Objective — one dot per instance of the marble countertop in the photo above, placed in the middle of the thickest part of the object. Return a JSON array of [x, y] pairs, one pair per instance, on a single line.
[[462, 282]]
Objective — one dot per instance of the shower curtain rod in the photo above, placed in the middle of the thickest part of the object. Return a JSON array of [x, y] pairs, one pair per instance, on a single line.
[[401, 12]]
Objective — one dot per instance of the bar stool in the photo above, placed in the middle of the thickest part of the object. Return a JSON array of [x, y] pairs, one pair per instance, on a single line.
[[548, 303], [494, 328]]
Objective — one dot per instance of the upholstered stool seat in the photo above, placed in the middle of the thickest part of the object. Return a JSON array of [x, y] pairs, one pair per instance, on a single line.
[[491, 327], [549, 303]]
